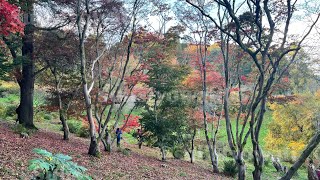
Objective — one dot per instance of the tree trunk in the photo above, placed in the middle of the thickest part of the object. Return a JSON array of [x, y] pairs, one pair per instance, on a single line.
[[94, 143], [312, 175], [163, 153], [258, 161], [61, 112], [192, 146], [306, 152], [26, 82], [64, 126], [241, 166], [94, 147], [215, 154], [242, 171], [107, 143]]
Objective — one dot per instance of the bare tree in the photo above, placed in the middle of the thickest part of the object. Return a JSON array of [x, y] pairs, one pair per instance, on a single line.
[[253, 26], [198, 25]]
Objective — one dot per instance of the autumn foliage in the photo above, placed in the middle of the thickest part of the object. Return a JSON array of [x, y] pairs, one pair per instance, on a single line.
[[130, 122], [294, 124], [9, 19]]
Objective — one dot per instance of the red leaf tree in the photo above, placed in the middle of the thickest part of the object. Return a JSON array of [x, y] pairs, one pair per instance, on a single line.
[[9, 19]]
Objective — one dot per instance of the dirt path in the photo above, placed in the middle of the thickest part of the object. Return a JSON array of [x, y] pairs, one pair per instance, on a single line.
[[15, 153]]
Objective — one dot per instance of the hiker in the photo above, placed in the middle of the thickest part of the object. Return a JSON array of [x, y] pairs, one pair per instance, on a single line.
[[139, 136], [118, 133]]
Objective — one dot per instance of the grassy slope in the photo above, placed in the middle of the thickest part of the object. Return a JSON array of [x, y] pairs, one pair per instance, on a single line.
[[269, 170]]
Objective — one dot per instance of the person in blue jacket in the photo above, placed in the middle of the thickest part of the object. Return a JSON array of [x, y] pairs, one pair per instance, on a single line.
[[118, 133]]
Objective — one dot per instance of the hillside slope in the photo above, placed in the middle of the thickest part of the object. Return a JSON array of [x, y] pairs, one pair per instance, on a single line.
[[15, 153]]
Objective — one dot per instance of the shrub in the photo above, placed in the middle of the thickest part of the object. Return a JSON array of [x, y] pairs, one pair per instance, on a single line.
[[247, 155], [267, 162], [55, 166], [226, 151], [178, 152], [84, 132], [2, 111], [205, 154], [124, 151], [287, 157], [230, 168], [221, 146], [74, 126], [19, 128], [11, 110], [47, 117]]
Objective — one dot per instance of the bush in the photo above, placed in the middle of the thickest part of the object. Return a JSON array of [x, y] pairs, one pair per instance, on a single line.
[[267, 162], [205, 154], [124, 151], [55, 166], [20, 129], [74, 126], [178, 152], [230, 168], [247, 155], [220, 146], [11, 110], [47, 117], [2, 111], [84, 132], [227, 152], [287, 157]]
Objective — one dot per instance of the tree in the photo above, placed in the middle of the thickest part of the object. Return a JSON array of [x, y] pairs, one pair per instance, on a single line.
[[164, 128], [92, 71], [205, 78], [9, 19], [243, 24], [25, 71], [294, 123], [58, 51]]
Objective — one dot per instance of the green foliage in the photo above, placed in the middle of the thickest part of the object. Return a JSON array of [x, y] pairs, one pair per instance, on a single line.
[[178, 152], [230, 168], [54, 166], [2, 111], [84, 132], [164, 78], [20, 129], [267, 162], [11, 110], [47, 117], [74, 125], [165, 126], [124, 151]]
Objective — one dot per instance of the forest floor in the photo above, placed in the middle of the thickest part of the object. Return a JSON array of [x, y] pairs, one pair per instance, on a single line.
[[15, 152]]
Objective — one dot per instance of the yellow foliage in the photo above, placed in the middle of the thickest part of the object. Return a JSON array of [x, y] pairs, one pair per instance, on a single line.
[[296, 148], [8, 84], [213, 47], [293, 124]]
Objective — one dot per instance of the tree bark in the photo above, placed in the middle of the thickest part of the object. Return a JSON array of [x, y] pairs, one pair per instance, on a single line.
[[61, 111], [242, 170], [26, 82], [64, 126], [163, 153], [192, 146], [94, 147], [94, 143]]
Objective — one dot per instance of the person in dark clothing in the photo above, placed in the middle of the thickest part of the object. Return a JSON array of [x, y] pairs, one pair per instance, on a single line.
[[139, 136], [118, 133]]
